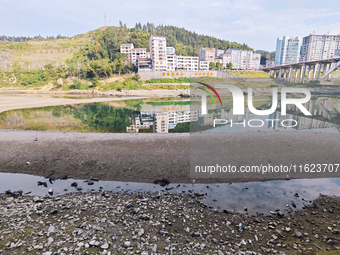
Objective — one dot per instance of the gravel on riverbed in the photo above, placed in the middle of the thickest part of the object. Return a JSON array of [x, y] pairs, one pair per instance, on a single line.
[[102, 222]]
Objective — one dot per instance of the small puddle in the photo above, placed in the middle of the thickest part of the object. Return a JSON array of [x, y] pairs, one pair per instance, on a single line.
[[257, 197]]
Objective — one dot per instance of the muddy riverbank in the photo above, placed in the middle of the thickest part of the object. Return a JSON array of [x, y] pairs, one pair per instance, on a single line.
[[147, 157]]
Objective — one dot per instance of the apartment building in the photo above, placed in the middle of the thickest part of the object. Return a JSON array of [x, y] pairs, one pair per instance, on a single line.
[[137, 53], [171, 61], [157, 45], [204, 65], [161, 123], [244, 59], [288, 50], [207, 54], [319, 47], [218, 52], [170, 50], [126, 49], [144, 64], [226, 59], [187, 63]]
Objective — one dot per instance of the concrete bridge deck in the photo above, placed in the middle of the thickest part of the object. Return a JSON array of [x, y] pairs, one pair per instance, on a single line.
[[296, 72]]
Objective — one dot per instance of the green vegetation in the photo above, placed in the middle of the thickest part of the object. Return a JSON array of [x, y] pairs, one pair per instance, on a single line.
[[251, 74], [96, 55], [181, 128], [266, 55]]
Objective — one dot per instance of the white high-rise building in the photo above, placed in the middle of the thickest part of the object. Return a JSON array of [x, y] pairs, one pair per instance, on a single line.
[[157, 44], [288, 50], [243, 59], [319, 47]]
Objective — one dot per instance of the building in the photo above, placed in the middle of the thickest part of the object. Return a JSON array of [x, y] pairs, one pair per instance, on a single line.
[[157, 46], [187, 63], [288, 50], [137, 53], [126, 48], [207, 54], [270, 63], [337, 52], [171, 61], [226, 59], [218, 52], [161, 123], [144, 64], [170, 50], [204, 65], [244, 59], [319, 47]]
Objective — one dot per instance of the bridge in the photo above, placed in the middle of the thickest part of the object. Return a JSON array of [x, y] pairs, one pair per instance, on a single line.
[[296, 72]]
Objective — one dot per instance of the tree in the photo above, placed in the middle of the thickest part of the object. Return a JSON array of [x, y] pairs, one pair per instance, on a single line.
[[218, 66], [230, 65], [212, 66]]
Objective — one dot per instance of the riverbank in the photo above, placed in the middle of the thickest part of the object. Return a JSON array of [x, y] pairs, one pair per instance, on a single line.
[[160, 223], [146, 157]]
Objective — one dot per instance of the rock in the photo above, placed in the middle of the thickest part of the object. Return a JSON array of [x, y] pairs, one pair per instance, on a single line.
[[240, 227], [105, 246], [42, 184], [38, 200], [140, 232], [162, 182], [127, 244], [50, 230], [154, 248], [298, 234], [163, 232], [50, 191], [129, 205]]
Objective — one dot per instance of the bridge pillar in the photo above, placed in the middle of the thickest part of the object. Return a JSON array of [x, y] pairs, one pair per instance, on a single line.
[[319, 71], [284, 74], [280, 73], [302, 73], [296, 73], [316, 67], [330, 67], [309, 72], [274, 74], [290, 74]]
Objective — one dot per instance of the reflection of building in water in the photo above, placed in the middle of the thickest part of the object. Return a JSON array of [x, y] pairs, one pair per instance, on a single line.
[[302, 122], [161, 123], [162, 117], [137, 124], [208, 119]]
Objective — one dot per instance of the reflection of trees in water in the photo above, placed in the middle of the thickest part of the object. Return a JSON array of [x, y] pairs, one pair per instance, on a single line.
[[104, 118]]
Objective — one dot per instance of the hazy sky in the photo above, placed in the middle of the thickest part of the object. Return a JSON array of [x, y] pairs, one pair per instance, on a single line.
[[257, 23]]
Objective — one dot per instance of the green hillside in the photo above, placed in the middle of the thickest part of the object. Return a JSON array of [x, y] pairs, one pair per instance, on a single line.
[[89, 56]]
